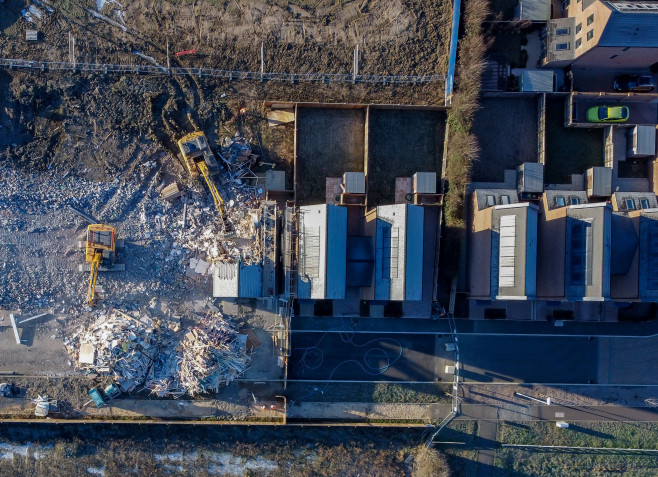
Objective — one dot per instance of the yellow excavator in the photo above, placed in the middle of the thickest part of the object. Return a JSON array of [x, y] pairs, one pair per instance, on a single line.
[[100, 254], [198, 158]]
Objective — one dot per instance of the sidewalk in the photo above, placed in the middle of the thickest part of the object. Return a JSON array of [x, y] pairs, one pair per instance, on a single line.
[[465, 326], [141, 408]]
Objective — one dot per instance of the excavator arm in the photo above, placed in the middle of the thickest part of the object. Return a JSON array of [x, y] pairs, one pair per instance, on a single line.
[[219, 202], [93, 273]]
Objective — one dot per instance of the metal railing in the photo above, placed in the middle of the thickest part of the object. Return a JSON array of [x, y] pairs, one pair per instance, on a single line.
[[226, 74]]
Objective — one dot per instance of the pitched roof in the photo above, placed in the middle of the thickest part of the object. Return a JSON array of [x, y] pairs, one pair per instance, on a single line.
[[631, 26]]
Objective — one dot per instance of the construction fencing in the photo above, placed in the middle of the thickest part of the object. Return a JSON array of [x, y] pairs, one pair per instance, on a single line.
[[226, 74]]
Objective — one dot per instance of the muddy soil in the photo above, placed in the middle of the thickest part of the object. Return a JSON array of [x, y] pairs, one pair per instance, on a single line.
[[96, 124]]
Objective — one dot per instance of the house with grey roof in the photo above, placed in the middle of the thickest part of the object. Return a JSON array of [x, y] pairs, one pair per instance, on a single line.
[[602, 34], [502, 247], [322, 252], [398, 253]]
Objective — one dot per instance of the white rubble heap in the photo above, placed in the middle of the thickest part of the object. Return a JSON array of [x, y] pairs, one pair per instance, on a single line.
[[116, 345], [146, 351], [206, 357]]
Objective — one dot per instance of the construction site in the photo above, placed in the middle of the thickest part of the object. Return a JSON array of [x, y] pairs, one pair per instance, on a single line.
[[155, 181]]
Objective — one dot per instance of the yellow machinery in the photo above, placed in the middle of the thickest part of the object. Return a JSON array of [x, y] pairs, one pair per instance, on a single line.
[[100, 253], [199, 158]]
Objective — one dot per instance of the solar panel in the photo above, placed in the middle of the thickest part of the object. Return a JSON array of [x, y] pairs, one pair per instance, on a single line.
[[507, 251], [580, 252]]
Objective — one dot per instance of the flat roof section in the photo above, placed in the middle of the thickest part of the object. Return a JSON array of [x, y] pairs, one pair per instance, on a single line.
[[322, 252], [399, 252], [514, 251], [588, 251], [648, 286]]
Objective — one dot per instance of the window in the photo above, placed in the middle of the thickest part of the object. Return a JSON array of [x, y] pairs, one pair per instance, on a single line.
[[590, 19], [491, 201], [579, 43], [578, 28], [644, 203], [562, 46], [630, 204], [562, 31], [559, 200], [504, 199], [590, 35], [574, 200]]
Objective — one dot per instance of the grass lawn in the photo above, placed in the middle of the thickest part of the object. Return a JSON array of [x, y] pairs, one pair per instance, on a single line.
[[370, 392], [517, 462], [568, 150], [462, 458]]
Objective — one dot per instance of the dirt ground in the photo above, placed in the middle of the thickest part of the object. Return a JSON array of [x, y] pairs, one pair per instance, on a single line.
[[329, 143], [96, 124], [506, 129], [401, 143]]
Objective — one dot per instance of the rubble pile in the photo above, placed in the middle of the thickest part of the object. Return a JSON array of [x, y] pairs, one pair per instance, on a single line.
[[207, 356], [117, 345], [168, 361], [236, 154], [212, 354]]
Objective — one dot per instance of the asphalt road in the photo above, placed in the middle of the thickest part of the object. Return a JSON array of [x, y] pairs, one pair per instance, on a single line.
[[541, 359], [465, 326], [362, 357]]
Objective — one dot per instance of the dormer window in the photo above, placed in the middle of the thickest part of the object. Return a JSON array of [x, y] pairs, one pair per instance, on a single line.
[[504, 199], [574, 200], [559, 201], [491, 201], [630, 204], [644, 203]]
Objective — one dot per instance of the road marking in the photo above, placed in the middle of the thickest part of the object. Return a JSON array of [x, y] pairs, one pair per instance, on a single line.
[[559, 414]]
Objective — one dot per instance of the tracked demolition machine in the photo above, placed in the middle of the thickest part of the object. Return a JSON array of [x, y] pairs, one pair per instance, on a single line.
[[100, 254], [199, 159]]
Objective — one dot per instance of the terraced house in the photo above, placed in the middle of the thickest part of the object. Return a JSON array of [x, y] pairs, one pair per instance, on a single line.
[[602, 34]]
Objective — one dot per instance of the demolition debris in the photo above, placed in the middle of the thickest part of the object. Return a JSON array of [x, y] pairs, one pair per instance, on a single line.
[[168, 361]]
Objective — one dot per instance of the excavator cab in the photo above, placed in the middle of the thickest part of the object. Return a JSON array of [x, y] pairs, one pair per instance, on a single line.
[[101, 240], [199, 159]]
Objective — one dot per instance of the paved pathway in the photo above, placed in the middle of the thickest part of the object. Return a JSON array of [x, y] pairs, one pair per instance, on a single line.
[[487, 442], [464, 326]]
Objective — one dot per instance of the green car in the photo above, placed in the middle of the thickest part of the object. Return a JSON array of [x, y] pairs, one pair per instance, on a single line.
[[607, 114]]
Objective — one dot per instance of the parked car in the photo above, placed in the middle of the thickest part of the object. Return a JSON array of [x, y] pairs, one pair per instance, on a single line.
[[635, 83], [607, 114]]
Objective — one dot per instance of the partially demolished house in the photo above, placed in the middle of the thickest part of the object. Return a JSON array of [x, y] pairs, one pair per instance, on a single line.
[[255, 276]]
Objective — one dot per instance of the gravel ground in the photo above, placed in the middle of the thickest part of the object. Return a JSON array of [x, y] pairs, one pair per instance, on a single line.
[[503, 395]]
